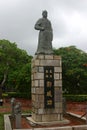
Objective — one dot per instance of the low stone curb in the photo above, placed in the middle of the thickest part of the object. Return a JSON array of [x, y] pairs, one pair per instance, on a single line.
[[7, 125]]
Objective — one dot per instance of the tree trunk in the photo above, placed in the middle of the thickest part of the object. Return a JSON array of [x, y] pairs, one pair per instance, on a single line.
[[3, 82], [0, 92]]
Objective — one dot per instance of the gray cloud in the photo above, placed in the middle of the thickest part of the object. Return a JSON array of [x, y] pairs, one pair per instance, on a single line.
[[68, 18]]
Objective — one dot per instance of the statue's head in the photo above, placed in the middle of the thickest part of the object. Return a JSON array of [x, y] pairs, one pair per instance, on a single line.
[[44, 14]]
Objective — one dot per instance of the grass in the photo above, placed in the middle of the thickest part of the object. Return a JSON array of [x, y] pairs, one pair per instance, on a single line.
[[1, 121], [27, 112], [2, 117]]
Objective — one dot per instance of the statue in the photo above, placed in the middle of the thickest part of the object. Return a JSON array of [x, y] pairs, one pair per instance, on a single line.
[[45, 35], [18, 108], [13, 102]]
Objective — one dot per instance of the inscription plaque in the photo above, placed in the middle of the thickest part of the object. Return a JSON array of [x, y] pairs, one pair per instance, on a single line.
[[48, 86]]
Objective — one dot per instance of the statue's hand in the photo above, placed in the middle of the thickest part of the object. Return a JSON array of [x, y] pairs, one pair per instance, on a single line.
[[42, 29]]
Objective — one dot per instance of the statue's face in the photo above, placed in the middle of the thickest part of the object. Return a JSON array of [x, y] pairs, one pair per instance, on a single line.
[[44, 14]]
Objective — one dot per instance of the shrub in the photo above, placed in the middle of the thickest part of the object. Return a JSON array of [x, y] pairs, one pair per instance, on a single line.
[[18, 95], [76, 98]]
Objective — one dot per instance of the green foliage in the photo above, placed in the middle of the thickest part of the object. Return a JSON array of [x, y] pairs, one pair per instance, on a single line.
[[74, 67], [15, 69], [26, 95], [4, 95], [76, 98], [1, 122], [15, 66], [24, 79]]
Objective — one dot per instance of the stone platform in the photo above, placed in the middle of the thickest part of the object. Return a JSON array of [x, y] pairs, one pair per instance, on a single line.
[[62, 122]]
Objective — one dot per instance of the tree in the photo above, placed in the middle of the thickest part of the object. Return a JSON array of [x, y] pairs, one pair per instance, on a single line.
[[74, 71], [12, 61]]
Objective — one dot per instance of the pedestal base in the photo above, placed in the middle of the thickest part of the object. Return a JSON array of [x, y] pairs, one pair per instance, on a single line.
[[61, 122], [47, 88]]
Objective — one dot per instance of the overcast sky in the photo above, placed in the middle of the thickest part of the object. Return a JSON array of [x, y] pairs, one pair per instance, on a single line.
[[68, 19]]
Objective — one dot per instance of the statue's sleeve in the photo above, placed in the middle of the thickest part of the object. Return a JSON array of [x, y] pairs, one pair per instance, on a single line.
[[38, 25]]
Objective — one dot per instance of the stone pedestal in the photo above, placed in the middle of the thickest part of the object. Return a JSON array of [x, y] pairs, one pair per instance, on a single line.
[[47, 88]]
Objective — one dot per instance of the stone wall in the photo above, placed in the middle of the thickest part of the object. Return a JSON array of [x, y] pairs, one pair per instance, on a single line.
[[39, 112]]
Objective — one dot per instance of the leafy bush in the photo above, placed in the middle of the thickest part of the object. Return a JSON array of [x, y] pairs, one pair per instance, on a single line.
[[5, 95], [1, 122], [77, 98], [19, 95]]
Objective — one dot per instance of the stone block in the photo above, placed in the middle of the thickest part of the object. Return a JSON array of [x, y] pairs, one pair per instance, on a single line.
[[41, 111], [32, 65], [39, 90], [45, 62], [60, 117], [34, 97], [36, 117], [57, 69], [58, 104], [35, 69], [32, 83], [36, 62], [41, 57], [49, 63], [36, 111], [49, 57], [48, 111], [58, 89], [41, 98], [58, 83], [33, 90], [36, 105], [38, 76], [60, 63], [57, 63], [36, 83], [39, 105], [60, 76], [58, 98], [57, 57], [34, 58], [41, 83], [32, 77], [58, 95], [58, 110], [33, 109], [41, 69], [56, 76], [79, 127], [49, 117]]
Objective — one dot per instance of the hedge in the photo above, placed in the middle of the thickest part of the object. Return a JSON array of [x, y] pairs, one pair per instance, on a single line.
[[68, 97], [17, 95], [76, 98]]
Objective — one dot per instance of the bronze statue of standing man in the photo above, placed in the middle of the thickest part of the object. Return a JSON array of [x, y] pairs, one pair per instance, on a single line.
[[45, 35]]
